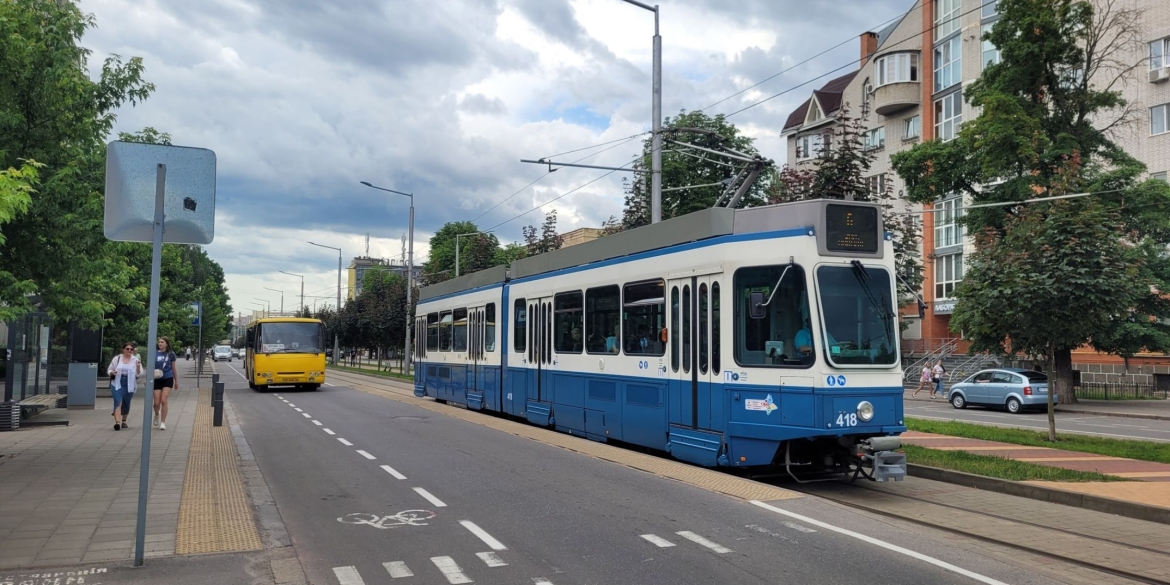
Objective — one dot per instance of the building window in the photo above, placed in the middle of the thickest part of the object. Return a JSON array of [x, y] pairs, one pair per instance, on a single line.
[[898, 68], [948, 116], [877, 184], [1159, 176], [913, 128], [810, 146], [814, 112], [948, 272], [990, 8], [1159, 50], [946, 17], [1159, 124], [947, 230], [991, 54], [948, 63], [875, 138]]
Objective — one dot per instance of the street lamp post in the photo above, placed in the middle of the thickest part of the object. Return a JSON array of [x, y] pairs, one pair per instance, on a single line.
[[336, 343], [656, 125], [281, 299], [457, 236], [300, 308], [261, 305], [409, 268], [268, 311]]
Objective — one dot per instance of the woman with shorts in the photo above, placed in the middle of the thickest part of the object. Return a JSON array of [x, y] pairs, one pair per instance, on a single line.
[[164, 362]]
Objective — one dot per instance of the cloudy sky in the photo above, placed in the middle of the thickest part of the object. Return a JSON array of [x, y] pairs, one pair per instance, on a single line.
[[302, 99]]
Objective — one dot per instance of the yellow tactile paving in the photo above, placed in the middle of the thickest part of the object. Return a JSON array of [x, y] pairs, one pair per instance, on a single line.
[[214, 514], [696, 476], [1149, 493]]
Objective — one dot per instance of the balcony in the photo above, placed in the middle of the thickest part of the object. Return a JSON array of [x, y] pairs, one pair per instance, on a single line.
[[895, 97]]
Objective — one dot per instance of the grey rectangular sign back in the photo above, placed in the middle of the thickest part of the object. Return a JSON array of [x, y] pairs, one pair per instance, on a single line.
[[131, 169]]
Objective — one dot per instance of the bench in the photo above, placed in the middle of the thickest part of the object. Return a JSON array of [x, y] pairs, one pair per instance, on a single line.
[[34, 404]]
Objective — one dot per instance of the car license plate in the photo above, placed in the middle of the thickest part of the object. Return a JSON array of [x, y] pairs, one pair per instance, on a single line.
[[288, 379]]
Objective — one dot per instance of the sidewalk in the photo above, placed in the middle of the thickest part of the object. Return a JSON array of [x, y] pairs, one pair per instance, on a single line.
[[1151, 485]]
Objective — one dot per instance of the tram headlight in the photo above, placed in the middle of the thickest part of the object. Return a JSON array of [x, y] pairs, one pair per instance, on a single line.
[[865, 411]]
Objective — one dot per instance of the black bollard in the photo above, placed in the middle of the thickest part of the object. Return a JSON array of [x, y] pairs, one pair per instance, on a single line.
[[217, 404]]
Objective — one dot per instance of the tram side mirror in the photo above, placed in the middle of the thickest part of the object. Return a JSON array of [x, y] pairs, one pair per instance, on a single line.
[[756, 308]]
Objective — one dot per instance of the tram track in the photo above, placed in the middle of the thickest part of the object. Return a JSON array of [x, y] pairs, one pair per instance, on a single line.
[[878, 499]]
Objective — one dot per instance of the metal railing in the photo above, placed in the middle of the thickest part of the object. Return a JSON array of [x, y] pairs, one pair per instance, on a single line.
[[971, 365], [926, 345], [912, 371], [1119, 391]]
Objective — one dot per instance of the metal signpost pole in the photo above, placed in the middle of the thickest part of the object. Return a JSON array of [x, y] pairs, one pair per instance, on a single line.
[[336, 340], [151, 337], [410, 285]]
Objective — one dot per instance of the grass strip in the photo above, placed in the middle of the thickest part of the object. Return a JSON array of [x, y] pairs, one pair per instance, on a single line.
[[382, 373], [998, 467], [1127, 448]]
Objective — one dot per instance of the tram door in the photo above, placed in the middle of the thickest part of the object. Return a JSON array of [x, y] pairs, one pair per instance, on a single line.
[[540, 348], [694, 352], [475, 353]]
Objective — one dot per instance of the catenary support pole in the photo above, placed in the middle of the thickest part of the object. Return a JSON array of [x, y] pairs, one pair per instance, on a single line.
[[151, 353]]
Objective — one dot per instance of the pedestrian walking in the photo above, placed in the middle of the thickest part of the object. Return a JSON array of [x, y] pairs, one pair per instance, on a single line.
[[123, 371], [165, 380], [923, 380], [936, 380]]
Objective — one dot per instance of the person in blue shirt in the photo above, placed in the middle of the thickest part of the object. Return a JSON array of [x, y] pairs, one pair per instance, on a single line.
[[803, 341], [163, 385], [611, 342]]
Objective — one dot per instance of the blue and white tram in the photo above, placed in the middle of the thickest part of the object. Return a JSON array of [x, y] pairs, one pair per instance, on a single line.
[[754, 337]]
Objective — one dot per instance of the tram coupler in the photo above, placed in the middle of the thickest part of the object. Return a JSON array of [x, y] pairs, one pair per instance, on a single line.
[[880, 452]]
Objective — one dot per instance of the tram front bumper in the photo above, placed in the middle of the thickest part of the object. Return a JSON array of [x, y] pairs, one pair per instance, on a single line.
[[881, 453]]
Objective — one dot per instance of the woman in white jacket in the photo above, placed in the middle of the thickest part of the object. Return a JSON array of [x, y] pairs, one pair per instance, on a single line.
[[124, 372]]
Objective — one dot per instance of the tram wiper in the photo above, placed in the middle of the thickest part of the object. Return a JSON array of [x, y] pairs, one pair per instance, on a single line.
[[863, 278]]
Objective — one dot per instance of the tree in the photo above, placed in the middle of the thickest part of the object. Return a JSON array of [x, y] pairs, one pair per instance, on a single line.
[[16, 189], [843, 173], [476, 252], [510, 253], [51, 112], [1048, 109], [682, 167], [546, 240]]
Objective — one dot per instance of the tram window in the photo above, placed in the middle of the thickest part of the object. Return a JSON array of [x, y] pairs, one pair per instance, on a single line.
[[783, 336], [567, 313], [602, 319], [520, 312], [715, 327], [432, 332], [703, 321], [459, 330], [859, 315], [686, 329], [445, 331], [674, 327], [489, 343], [644, 317]]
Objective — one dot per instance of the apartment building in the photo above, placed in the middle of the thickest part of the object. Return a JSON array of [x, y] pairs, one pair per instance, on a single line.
[[909, 87]]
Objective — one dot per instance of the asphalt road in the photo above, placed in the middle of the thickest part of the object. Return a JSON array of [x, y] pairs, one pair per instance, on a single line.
[[491, 507], [1105, 426]]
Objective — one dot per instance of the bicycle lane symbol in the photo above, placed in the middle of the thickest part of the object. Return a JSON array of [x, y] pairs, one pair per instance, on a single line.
[[403, 518]]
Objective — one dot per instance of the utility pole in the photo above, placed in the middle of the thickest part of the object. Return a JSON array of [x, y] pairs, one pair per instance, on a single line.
[[656, 123]]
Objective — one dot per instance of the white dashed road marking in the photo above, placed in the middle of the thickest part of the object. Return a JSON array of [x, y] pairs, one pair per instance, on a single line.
[[317, 422], [393, 472], [695, 538], [348, 576], [658, 540], [298, 410], [483, 535], [344, 442], [306, 415], [451, 570], [798, 527], [541, 581], [329, 431], [430, 498], [365, 454], [397, 570], [491, 559]]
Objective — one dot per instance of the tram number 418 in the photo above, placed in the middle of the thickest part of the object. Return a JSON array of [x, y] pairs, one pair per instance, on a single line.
[[847, 420]]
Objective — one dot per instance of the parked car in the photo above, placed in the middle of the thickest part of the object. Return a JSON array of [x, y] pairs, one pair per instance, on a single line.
[[221, 353], [1011, 388], [238, 353]]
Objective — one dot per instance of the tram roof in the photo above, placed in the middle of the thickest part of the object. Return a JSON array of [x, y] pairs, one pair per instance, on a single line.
[[700, 225]]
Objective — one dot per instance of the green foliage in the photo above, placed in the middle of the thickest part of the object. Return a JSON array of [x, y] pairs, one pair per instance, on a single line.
[[682, 170], [51, 112], [1087, 270], [1126, 448], [999, 467], [546, 240], [476, 252], [377, 318]]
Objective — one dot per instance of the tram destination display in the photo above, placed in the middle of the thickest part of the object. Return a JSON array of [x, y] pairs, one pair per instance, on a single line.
[[851, 228]]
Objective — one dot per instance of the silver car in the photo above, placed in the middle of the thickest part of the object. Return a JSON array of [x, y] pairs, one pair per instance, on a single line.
[[1010, 388], [221, 353]]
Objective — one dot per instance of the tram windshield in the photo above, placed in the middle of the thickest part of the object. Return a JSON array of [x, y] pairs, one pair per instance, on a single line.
[[859, 315]]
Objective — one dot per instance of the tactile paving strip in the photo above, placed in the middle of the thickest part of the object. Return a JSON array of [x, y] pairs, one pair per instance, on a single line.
[[214, 514], [699, 477]]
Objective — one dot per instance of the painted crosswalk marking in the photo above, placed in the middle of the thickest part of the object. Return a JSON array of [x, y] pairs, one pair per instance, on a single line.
[[393, 472], [451, 570], [348, 576], [397, 570], [491, 559], [483, 535], [658, 540], [695, 538]]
